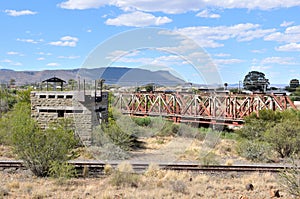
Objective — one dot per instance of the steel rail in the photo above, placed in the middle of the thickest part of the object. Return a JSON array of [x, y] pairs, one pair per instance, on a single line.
[[98, 166]]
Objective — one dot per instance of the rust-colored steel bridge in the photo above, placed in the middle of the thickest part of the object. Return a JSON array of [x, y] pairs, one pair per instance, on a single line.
[[211, 108]]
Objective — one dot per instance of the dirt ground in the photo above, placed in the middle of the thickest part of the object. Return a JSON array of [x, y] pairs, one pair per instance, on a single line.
[[154, 183]]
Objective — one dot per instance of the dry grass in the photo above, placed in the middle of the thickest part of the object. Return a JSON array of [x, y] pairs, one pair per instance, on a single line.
[[6, 152], [154, 184], [154, 143]]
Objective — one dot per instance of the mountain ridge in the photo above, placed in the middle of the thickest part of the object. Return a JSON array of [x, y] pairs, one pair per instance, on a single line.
[[112, 75]]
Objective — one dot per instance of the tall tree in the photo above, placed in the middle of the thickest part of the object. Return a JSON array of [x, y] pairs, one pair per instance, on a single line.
[[12, 82], [256, 81], [294, 83], [72, 83]]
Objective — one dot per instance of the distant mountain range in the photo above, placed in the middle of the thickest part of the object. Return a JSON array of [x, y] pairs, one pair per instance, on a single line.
[[112, 75]]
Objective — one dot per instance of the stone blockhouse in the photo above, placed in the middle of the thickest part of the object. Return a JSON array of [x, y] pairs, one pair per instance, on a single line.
[[87, 110]]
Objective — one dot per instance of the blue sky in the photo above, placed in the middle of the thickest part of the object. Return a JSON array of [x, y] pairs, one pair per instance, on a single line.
[[238, 36]]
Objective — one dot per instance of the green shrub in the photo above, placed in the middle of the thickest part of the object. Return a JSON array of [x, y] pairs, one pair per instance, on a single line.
[[188, 131], [142, 121], [290, 180], [209, 158], [179, 186], [254, 150], [169, 129], [284, 137], [276, 130], [62, 170], [40, 148], [119, 137]]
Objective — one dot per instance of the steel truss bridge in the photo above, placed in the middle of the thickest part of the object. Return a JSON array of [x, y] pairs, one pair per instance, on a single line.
[[210, 108]]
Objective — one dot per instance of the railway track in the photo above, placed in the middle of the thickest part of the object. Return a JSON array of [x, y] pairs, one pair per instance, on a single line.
[[97, 167]]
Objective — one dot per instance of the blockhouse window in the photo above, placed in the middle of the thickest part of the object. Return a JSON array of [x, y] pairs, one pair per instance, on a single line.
[[51, 96], [60, 96], [69, 96], [42, 96], [60, 113]]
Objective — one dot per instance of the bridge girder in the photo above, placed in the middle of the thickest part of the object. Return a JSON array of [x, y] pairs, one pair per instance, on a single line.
[[201, 108]]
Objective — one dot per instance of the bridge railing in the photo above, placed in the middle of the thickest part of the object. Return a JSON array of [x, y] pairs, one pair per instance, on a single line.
[[200, 107]]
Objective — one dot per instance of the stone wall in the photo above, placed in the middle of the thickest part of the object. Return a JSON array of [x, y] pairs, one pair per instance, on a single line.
[[48, 106]]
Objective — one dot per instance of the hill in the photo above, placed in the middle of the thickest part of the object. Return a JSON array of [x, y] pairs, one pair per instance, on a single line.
[[112, 75]]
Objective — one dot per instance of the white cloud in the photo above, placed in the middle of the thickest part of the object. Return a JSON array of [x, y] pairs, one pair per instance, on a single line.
[[68, 57], [178, 6], [289, 47], [290, 35], [138, 19], [278, 60], [208, 36], [83, 4], [286, 23], [43, 53], [16, 13], [6, 61], [40, 58], [259, 50], [14, 53], [65, 41], [222, 55], [207, 14], [260, 68], [16, 64], [53, 64], [227, 61], [10, 62], [30, 40]]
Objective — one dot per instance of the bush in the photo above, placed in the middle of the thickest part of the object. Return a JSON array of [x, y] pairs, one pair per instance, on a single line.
[[40, 148], [290, 179], [169, 129], [279, 130], [179, 186], [254, 150], [284, 138], [142, 121], [109, 152], [122, 135], [189, 132], [119, 137], [209, 158], [62, 170]]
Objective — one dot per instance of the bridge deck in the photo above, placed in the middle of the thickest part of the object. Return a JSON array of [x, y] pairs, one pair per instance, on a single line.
[[201, 108]]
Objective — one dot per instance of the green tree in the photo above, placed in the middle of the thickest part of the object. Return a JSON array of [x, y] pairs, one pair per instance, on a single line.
[[255, 125], [149, 87], [295, 96], [255, 80], [12, 82], [72, 83], [24, 96], [294, 83], [39, 149], [278, 129], [284, 137]]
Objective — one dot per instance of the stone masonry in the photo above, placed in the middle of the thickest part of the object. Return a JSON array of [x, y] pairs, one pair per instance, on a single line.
[[87, 113]]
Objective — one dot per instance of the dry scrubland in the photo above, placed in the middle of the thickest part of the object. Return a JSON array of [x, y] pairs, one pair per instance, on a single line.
[[155, 183], [152, 184]]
